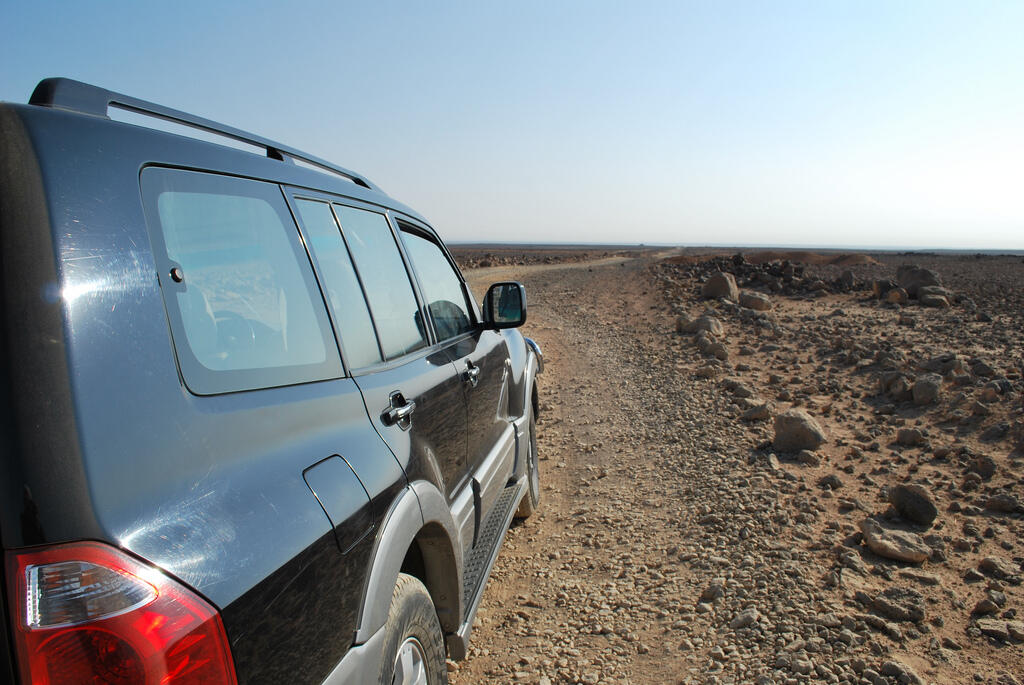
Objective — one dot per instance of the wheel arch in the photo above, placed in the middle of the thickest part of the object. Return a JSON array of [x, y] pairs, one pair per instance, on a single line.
[[527, 398], [528, 403], [418, 535], [431, 559], [441, 554]]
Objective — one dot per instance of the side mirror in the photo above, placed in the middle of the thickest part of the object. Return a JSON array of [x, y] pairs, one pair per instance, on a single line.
[[505, 305]]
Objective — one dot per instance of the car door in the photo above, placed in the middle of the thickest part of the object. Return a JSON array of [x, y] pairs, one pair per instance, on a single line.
[[411, 390], [480, 357]]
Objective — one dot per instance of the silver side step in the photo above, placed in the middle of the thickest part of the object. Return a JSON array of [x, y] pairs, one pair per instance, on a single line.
[[480, 560]]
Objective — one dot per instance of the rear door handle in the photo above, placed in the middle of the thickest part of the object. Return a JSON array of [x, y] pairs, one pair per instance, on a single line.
[[471, 374], [400, 412]]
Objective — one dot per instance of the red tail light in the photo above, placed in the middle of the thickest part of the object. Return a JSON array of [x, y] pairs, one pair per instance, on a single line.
[[88, 613]]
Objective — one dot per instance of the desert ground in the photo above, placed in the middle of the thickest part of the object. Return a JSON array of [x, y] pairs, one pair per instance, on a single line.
[[772, 467]]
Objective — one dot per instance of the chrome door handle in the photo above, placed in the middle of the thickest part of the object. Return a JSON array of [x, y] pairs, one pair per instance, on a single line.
[[472, 374], [399, 413]]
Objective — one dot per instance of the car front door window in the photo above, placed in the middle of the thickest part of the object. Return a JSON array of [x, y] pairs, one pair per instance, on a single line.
[[442, 288]]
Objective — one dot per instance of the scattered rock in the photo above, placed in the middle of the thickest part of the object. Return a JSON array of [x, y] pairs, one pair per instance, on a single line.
[[852, 561], [704, 323], [994, 628], [926, 389], [938, 290], [920, 576], [981, 367], [718, 351], [1004, 502], [998, 568], [721, 285], [900, 604], [897, 296], [894, 544], [914, 503], [738, 388], [985, 607], [971, 575], [944, 364], [745, 618], [912, 278], [759, 412], [950, 643], [880, 287], [808, 458], [983, 465], [937, 301], [879, 623], [897, 385], [909, 437], [903, 674], [996, 432], [713, 591], [707, 371], [795, 430], [1016, 630], [755, 301], [831, 481]]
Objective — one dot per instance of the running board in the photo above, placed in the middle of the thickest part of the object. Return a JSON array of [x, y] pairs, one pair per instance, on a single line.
[[479, 561]]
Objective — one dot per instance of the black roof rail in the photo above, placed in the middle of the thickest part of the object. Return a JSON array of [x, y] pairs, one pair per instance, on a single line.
[[65, 93]]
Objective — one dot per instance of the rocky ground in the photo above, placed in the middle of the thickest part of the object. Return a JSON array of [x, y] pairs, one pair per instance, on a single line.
[[785, 479], [476, 257]]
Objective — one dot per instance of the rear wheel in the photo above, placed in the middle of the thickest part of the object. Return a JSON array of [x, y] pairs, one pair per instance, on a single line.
[[413, 643], [531, 500]]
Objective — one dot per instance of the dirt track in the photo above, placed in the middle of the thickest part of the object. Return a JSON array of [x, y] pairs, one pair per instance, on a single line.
[[663, 551], [576, 594]]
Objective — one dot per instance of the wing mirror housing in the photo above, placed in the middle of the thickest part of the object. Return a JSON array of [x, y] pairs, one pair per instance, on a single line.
[[505, 305]]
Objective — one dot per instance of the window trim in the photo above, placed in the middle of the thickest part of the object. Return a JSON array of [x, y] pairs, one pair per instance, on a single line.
[[196, 377]]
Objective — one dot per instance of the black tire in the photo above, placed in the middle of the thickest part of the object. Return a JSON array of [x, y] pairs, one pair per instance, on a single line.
[[530, 502], [413, 639]]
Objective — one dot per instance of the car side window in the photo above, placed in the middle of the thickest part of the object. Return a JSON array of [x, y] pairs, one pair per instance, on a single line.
[[442, 287], [236, 282], [338, 275], [388, 289]]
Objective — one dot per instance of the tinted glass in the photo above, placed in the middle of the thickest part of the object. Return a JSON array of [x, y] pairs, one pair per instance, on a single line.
[[441, 286], [236, 283], [385, 280], [338, 276]]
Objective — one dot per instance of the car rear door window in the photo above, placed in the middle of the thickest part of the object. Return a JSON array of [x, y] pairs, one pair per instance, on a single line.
[[386, 282], [441, 285], [344, 292], [237, 284]]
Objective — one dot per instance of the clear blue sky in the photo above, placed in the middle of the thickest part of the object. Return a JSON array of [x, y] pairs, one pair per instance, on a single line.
[[827, 123]]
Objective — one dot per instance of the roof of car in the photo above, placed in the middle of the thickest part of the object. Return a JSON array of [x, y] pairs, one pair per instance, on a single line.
[[75, 96]]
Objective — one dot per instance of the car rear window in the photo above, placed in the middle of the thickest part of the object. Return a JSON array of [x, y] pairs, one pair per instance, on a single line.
[[244, 309]]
